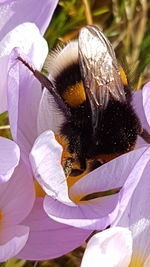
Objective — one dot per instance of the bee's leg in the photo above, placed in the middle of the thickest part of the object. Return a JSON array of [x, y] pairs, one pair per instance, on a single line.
[[146, 136], [68, 166]]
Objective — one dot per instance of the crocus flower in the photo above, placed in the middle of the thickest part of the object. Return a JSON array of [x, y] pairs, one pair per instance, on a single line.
[[13, 13], [71, 215], [23, 114], [128, 244], [72, 205], [16, 200], [28, 38], [9, 159], [20, 94], [120, 175], [141, 102], [90, 215], [111, 248], [115, 174], [137, 218]]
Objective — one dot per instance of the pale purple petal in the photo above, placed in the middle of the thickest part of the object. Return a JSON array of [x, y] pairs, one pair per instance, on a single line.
[[46, 164], [140, 110], [137, 216], [17, 196], [111, 248], [111, 175], [96, 214], [136, 176], [12, 240], [30, 41], [49, 239], [138, 105], [9, 158], [93, 214], [99, 213], [13, 13], [3, 83], [24, 93], [146, 101], [45, 159]]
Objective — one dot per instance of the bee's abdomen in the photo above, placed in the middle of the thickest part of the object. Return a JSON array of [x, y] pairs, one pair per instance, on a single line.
[[117, 130]]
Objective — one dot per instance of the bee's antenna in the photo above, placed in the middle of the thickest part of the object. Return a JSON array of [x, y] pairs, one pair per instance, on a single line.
[[26, 64], [49, 85]]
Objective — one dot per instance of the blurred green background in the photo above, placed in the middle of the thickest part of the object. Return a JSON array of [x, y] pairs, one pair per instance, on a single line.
[[126, 24]]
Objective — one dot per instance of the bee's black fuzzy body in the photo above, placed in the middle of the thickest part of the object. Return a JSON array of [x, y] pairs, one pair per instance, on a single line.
[[117, 125], [91, 91]]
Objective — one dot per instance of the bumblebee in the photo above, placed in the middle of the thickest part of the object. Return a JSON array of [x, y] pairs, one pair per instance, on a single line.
[[92, 94]]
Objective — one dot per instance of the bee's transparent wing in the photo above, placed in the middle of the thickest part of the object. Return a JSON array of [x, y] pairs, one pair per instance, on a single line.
[[99, 69]]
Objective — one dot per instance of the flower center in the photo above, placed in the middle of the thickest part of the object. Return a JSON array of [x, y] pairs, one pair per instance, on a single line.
[[137, 261], [39, 192], [71, 180]]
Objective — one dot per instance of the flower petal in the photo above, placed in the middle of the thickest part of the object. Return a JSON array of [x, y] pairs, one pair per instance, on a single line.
[[45, 159], [13, 13], [140, 110], [111, 175], [49, 239], [17, 196], [111, 248], [30, 42], [12, 240], [136, 176], [9, 158], [137, 218], [28, 37], [124, 172], [146, 101], [24, 93]]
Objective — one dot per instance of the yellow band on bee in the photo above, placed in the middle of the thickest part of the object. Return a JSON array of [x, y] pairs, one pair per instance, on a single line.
[[123, 76], [74, 95]]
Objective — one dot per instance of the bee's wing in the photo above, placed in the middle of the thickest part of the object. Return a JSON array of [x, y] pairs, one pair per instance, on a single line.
[[99, 68]]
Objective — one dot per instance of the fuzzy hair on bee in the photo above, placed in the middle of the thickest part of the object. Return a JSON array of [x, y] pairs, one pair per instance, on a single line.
[[92, 99]]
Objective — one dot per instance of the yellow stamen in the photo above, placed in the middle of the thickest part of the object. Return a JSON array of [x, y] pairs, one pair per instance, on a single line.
[[39, 192], [1, 215], [137, 261]]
